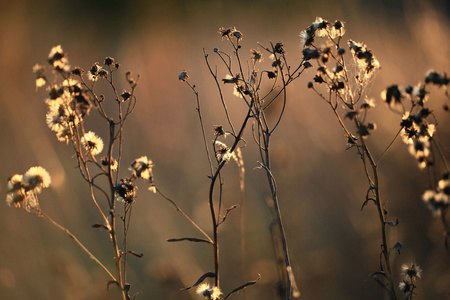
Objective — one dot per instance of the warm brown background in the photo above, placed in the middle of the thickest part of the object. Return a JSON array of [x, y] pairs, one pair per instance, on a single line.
[[334, 245]]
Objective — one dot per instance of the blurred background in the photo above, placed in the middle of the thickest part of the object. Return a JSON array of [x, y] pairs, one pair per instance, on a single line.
[[334, 246]]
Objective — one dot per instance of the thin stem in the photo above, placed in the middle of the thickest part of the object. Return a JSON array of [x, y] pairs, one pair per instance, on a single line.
[[184, 215], [202, 126], [382, 217], [92, 256], [220, 91], [388, 147], [291, 286]]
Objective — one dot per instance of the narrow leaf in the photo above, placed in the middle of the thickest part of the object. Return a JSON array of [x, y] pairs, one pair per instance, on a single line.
[[393, 224], [126, 289], [367, 201], [377, 276], [227, 212], [111, 282], [135, 254], [396, 247], [100, 226], [242, 287], [197, 240], [200, 280]]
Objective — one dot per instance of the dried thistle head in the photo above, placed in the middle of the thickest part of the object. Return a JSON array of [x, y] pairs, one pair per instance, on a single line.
[[125, 191], [411, 271], [209, 292], [92, 143], [58, 59]]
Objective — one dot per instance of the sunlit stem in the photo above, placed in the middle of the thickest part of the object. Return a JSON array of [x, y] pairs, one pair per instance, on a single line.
[[53, 222]]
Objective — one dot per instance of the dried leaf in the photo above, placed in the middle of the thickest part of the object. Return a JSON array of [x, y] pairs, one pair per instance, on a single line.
[[242, 287], [126, 289], [271, 74], [200, 280], [227, 212], [367, 201], [390, 223], [197, 240], [396, 247], [111, 282], [377, 277], [100, 226], [135, 254]]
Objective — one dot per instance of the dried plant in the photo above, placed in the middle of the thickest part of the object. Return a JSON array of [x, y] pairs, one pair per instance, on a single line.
[[344, 70], [343, 87], [72, 94]]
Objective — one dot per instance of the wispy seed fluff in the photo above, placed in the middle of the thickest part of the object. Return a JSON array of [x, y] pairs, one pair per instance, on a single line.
[[222, 152], [92, 143], [36, 178], [142, 168], [209, 292]]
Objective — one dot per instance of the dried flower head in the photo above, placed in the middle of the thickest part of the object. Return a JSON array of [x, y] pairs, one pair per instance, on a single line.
[[58, 59], [125, 96], [209, 292], [279, 48], [230, 79], [320, 26], [368, 104], [444, 186], [35, 179], [392, 95], [93, 73], [239, 90], [237, 34], [226, 33], [92, 143], [256, 56], [435, 78], [142, 168], [15, 192], [113, 164], [337, 29], [436, 202], [411, 271], [183, 76], [222, 152], [108, 61], [39, 74], [367, 62], [420, 149], [306, 37], [125, 191], [218, 131], [406, 287]]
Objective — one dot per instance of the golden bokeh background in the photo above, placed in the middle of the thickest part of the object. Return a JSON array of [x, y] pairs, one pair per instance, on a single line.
[[334, 246]]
